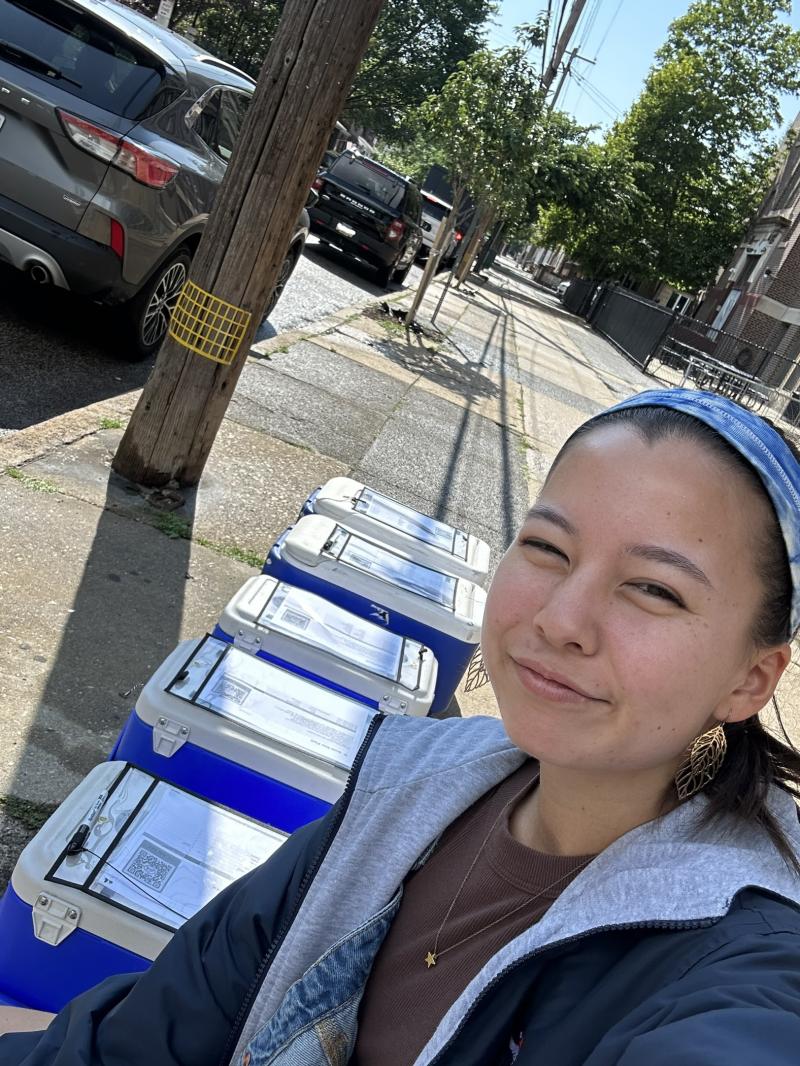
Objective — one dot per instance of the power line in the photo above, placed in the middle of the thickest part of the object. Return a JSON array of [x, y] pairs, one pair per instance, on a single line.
[[597, 97], [546, 35], [608, 28]]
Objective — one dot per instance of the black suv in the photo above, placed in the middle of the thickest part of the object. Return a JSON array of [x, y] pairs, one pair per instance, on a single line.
[[370, 212]]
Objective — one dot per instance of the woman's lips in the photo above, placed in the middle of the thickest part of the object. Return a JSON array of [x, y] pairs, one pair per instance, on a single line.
[[552, 687]]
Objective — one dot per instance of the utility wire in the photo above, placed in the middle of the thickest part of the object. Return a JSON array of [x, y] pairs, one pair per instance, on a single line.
[[608, 28], [547, 34]]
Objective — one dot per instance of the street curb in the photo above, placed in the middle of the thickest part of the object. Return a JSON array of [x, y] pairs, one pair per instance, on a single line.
[[31, 443], [37, 440]]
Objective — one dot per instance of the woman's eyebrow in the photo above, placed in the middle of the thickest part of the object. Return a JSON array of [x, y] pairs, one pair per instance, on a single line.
[[656, 554], [549, 514]]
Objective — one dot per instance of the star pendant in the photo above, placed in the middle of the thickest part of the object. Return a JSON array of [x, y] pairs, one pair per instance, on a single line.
[[430, 959]]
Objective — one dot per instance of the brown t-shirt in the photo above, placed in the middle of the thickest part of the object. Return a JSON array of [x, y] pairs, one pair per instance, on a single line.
[[405, 999]]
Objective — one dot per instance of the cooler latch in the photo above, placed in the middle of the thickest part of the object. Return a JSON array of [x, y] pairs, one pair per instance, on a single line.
[[169, 736], [53, 919]]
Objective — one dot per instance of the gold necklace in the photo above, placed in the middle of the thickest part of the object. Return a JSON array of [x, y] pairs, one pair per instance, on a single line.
[[434, 954]]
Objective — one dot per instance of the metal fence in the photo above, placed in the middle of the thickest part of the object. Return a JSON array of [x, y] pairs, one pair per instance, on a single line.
[[681, 351]]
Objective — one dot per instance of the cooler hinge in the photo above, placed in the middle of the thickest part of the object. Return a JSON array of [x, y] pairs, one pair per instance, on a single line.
[[169, 736], [53, 919], [249, 642]]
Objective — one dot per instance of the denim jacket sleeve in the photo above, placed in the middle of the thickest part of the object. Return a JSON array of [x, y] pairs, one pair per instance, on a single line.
[[182, 1011]]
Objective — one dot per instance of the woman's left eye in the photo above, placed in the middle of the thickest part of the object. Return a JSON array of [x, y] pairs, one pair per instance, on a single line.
[[659, 592]]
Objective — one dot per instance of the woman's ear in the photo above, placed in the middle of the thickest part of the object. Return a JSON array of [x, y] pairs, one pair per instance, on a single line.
[[759, 683]]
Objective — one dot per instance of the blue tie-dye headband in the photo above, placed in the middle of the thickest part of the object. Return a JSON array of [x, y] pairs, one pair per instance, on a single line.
[[760, 445]]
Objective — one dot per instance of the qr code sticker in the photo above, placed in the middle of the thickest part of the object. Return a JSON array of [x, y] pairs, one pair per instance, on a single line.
[[296, 619], [234, 691], [152, 866]]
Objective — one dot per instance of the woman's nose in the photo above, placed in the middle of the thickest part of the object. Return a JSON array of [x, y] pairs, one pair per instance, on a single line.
[[570, 615]]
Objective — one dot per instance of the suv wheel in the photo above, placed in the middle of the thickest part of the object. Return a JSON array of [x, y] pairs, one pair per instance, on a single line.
[[287, 266], [150, 310], [384, 275]]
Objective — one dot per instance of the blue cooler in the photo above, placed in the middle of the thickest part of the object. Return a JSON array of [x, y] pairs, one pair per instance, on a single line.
[[152, 856], [385, 586], [315, 638], [381, 518], [245, 732]]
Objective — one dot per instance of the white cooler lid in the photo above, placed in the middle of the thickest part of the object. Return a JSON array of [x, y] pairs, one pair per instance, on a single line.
[[155, 855], [256, 714], [387, 575], [343, 498], [323, 638]]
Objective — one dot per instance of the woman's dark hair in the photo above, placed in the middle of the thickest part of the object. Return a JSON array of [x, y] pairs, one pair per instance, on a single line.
[[755, 759]]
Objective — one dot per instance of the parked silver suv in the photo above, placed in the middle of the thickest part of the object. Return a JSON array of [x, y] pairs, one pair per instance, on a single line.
[[114, 137]]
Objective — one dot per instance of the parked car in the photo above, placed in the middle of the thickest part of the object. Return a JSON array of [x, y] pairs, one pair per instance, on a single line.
[[561, 291], [434, 212], [370, 212], [115, 135]]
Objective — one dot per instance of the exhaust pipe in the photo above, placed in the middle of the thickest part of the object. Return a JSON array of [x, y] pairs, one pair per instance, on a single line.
[[39, 274]]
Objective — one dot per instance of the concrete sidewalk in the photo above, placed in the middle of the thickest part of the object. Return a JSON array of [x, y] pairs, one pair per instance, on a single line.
[[100, 580]]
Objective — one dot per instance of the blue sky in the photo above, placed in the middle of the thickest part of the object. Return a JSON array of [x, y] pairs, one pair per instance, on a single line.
[[622, 35]]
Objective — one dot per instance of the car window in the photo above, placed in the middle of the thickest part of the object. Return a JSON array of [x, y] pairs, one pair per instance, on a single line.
[[80, 53], [233, 108], [434, 210], [221, 120], [413, 206], [370, 178]]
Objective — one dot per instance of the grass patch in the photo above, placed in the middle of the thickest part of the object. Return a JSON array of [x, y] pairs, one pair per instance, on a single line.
[[29, 814], [393, 327], [174, 526], [233, 551], [38, 484], [111, 423]]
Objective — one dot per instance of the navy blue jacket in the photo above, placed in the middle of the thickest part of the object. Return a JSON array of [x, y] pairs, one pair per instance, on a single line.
[[706, 969]]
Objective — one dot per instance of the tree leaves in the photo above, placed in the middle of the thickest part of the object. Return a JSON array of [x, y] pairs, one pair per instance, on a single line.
[[694, 152]]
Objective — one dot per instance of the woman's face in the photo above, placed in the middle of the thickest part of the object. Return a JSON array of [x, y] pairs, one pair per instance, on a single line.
[[617, 627]]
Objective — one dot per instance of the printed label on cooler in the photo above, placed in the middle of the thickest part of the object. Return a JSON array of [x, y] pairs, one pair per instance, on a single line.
[[273, 702], [386, 565], [420, 526]]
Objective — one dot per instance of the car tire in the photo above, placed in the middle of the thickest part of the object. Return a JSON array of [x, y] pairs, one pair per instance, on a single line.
[[384, 275], [285, 272], [150, 309], [400, 275]]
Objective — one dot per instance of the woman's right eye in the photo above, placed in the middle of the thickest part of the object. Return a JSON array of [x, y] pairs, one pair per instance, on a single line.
[[543, 546]]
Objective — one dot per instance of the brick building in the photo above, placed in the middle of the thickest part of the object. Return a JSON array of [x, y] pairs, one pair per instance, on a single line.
[[757, 296]]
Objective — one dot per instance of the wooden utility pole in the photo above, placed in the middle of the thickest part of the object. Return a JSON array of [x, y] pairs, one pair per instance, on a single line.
[[300, 92], [561, 44]]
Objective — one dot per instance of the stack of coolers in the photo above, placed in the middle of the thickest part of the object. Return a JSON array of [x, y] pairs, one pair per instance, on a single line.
[[242, 736]]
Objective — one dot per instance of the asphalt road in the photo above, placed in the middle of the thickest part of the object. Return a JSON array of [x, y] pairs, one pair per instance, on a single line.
[[58, 353]]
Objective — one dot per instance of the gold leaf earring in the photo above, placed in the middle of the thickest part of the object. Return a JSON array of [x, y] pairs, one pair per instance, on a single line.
[[704, 758]]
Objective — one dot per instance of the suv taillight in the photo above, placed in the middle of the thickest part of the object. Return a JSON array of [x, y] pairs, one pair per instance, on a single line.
[[147, 167], [317, 184], [396, 230]]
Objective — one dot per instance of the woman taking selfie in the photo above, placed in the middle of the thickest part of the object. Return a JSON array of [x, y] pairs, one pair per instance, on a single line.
[[608, 877]]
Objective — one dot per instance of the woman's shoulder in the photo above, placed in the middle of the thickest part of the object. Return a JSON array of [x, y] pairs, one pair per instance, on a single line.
[[405, 749]]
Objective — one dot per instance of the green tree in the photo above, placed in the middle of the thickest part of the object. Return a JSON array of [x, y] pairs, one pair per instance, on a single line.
[[696, 144], [416, 45], [594, 217]]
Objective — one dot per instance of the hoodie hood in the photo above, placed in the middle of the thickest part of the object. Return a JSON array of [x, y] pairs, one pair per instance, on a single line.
[[420, 774]]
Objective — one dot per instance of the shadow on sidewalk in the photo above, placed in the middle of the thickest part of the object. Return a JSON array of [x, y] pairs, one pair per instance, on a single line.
[[124, 619]]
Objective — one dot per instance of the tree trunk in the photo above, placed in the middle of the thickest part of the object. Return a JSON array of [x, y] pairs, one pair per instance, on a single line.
[[301, 88], [474, 245], [443, 236]]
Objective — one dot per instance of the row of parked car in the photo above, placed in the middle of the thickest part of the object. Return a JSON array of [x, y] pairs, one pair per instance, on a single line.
[[115, 135]]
